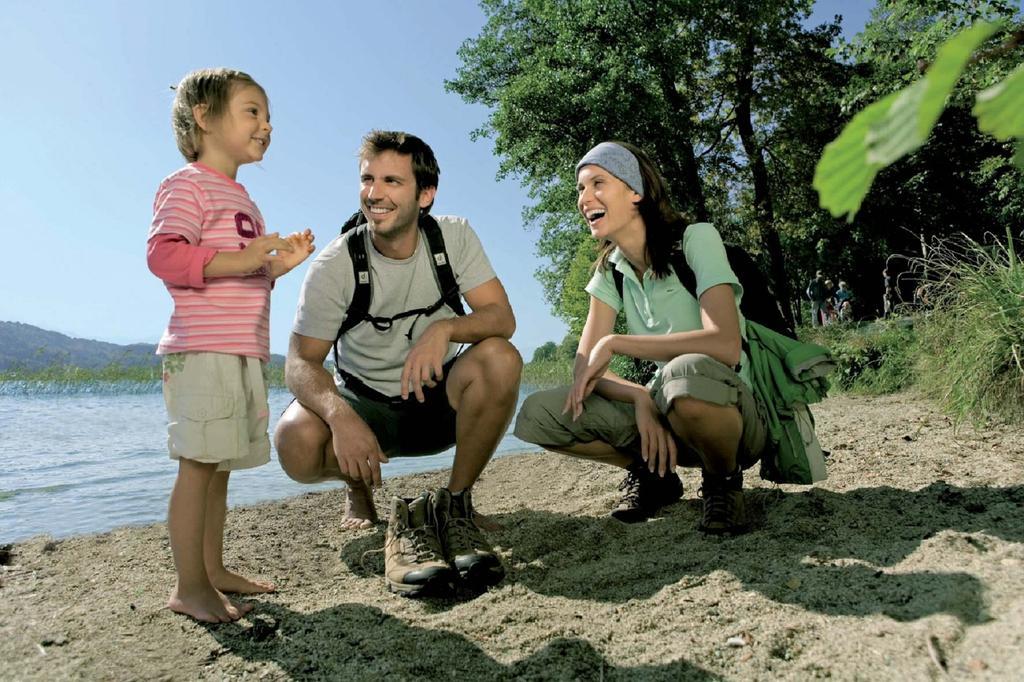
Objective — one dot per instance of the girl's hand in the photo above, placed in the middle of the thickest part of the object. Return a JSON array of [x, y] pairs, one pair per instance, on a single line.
[[302, 246], [657, 444], [260, 252]]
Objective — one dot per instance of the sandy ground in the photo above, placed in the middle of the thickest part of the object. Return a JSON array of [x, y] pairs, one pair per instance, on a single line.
[[908, 563]]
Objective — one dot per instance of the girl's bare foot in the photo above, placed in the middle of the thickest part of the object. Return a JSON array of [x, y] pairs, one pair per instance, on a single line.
[[359, 510], [226, 581], [207, 606]]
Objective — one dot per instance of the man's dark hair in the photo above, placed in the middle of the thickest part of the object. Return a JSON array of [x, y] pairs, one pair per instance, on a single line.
[[424, 163]]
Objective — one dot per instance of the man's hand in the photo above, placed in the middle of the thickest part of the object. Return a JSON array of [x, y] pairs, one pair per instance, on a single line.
[[424, 366], [657, 444], [357, 450]]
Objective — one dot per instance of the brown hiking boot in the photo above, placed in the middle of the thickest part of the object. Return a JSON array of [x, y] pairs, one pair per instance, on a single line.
[[724, 510], [413, 559], [644, 493], [463, 541]]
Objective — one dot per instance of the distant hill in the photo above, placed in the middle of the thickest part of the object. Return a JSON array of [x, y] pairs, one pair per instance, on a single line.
[[27, 347]]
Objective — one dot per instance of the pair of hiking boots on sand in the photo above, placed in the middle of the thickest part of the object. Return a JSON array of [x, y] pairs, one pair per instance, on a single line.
[[432, 542], [644, 493]]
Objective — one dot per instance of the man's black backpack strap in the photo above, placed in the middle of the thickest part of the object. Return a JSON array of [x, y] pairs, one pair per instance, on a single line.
[[442, 266], [359, 308]]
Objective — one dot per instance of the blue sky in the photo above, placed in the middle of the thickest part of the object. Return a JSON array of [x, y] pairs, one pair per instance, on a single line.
[[85, 129]]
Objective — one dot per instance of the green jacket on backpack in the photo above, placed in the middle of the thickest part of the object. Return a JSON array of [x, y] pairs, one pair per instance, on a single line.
[[787, 376]]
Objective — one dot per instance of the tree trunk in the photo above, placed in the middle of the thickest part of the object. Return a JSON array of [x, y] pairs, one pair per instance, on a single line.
[[691, 189], [763, 211]]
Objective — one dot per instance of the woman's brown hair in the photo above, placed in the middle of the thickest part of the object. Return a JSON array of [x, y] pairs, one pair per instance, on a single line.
[[663, 224]]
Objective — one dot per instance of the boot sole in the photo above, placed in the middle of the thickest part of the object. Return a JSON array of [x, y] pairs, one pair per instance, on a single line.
[[482, 576], [438, 586]]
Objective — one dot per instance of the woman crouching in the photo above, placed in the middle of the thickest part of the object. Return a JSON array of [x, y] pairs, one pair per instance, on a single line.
[[698, 410]]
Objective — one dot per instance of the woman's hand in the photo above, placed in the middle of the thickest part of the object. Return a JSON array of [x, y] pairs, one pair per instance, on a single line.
[[657, 444], [587, 375]]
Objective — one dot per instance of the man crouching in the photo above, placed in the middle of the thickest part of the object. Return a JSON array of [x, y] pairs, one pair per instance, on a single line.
[[402, 388]]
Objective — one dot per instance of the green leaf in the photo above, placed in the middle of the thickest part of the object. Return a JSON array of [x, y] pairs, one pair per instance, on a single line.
[[912, 116], [892, 127], [1018, 158], [843, 175], [1000, 109]]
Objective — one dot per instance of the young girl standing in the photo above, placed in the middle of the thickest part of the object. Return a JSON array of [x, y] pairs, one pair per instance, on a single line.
[[699, 409], [208, 244]]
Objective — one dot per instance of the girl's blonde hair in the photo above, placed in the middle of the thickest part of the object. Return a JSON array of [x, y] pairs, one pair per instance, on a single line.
[[210, 87]]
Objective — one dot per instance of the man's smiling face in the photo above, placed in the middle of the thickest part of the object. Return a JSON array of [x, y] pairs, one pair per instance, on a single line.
[[388, 194]]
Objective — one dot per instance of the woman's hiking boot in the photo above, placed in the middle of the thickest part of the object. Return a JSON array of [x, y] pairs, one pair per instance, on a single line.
[[724, 511], [644, 493], [414, 562], [464, 543]]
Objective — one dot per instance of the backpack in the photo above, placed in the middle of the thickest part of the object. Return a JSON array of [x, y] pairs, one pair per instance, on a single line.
[[359, 309], [786, 374]]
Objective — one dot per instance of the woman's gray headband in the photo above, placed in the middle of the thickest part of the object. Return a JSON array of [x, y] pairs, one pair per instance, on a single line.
[[618, 161]]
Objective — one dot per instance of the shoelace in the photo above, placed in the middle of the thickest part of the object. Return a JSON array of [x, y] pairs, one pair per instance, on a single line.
[[631, 487], [423, 541], [716, 506], [466, 532]]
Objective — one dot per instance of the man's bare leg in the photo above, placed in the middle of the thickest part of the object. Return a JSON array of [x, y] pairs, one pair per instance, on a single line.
[[213, 543], [483, 388], [193, 594], [306, 453]]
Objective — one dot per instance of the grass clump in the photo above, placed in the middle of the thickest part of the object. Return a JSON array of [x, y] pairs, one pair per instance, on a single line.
[[972, 334], [112, 378], [873, 359]]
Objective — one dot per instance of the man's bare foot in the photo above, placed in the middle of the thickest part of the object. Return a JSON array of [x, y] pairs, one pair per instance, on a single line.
[[359, 510], [207, 606], [226, 581]]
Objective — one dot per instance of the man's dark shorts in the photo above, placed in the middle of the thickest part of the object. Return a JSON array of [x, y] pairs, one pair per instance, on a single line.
[[411, 428]]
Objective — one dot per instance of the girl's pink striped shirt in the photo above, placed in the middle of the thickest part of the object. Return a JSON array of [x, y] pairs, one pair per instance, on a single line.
[[221, 314]]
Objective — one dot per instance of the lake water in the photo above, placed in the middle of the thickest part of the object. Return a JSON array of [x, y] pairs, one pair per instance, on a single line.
[[89, 462]]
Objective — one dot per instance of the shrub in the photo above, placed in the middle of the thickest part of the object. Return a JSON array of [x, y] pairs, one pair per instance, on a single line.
[[972, 335]]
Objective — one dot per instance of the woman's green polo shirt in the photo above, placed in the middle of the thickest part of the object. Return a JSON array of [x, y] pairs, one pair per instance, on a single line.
[[663, 305]]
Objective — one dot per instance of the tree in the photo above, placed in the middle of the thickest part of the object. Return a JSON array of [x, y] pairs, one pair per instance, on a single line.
[[685, 80]]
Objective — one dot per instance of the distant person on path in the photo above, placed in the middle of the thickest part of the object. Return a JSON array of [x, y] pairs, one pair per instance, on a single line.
[[817, 293], [829, 312], [889, 297], [699, 410], [844, 302], [401, 387], [208, 243]]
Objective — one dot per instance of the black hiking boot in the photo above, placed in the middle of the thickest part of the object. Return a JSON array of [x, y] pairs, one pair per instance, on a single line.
[[414, 562], [724, 510], [464, 543], [644, 493]]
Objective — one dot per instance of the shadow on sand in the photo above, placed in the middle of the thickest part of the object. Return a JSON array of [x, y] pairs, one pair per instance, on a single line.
[[827, 552], [366, 643]]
